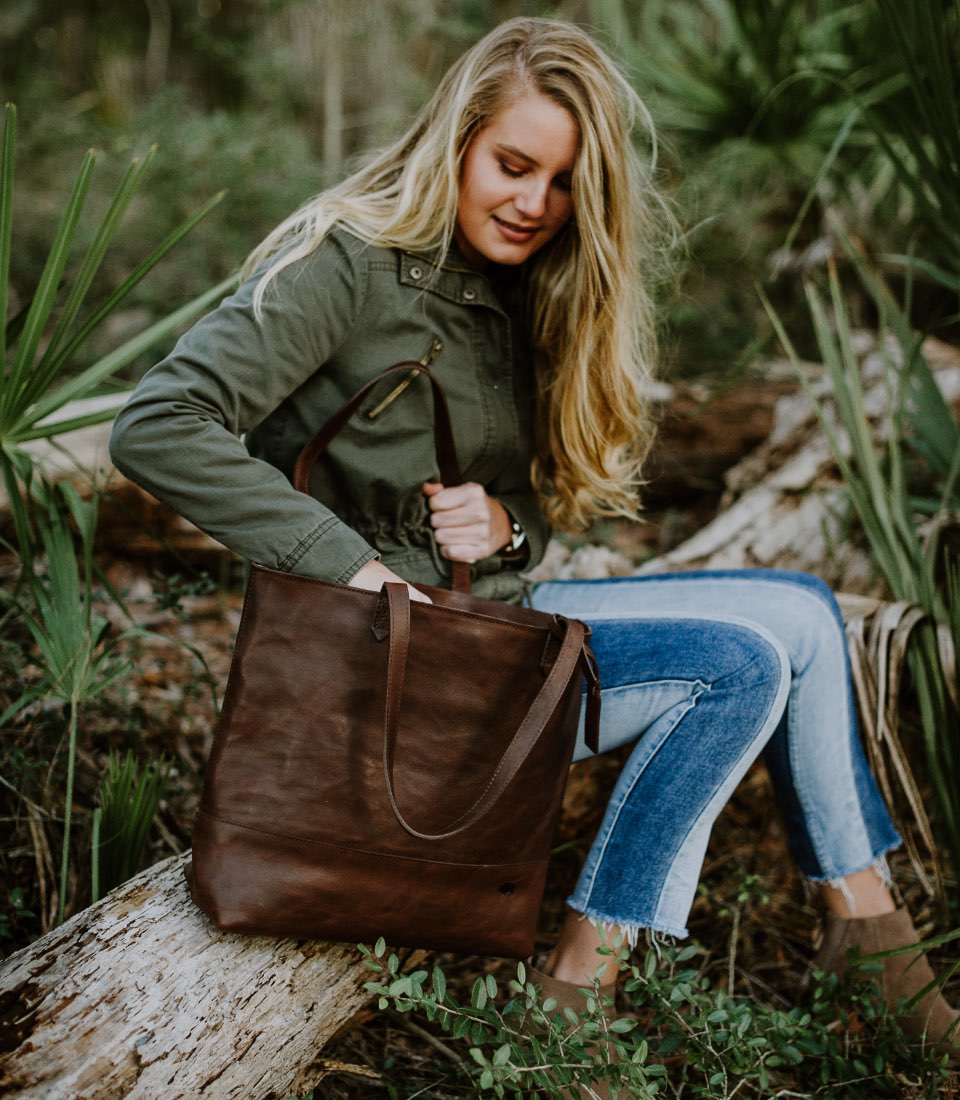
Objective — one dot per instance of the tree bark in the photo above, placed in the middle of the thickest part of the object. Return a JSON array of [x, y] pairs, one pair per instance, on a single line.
[[141, 997]]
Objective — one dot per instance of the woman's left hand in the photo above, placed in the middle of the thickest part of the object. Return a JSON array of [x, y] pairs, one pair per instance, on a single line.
[[467, 523]]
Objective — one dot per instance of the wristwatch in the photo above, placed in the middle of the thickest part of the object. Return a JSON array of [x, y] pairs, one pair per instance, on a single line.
[[515, 547]]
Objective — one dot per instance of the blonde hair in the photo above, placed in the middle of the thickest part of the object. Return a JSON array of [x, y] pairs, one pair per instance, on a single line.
[[589, 311]]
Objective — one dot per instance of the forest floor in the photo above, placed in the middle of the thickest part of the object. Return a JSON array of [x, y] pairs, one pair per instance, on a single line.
[[754, 923]]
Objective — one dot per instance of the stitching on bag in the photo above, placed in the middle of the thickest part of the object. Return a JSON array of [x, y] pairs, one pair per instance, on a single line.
[[362, 851]]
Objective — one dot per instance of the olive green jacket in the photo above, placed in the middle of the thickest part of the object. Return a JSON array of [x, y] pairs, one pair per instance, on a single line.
[[330, 323]]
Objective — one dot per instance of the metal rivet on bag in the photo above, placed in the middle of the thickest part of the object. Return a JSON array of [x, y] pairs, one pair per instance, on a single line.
[[416, 272], [506, 888], [469, 294]]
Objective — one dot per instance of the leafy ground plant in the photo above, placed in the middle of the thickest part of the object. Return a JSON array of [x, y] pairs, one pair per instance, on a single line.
[[685, 1037], [78, 655]]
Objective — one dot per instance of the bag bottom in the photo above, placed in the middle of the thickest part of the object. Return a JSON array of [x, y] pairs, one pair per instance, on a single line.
[[254, 882]]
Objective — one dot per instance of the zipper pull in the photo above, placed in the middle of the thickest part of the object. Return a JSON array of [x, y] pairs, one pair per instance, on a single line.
[[426, 360]]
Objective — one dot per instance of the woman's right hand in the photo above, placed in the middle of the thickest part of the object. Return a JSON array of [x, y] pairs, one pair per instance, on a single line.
[[372, 575]]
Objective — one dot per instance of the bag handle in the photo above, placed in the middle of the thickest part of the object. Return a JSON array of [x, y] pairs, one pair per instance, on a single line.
[[444, 445], [395, 601]]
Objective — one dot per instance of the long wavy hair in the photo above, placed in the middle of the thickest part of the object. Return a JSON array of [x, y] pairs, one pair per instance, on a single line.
[[590, 314]]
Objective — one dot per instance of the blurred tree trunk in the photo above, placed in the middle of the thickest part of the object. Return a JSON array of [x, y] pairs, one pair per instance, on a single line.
[[158, 46], [74, 20], [333, 114]]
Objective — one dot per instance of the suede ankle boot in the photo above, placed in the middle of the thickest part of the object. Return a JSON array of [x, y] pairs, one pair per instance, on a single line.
[[931, 1018], [569, 995]]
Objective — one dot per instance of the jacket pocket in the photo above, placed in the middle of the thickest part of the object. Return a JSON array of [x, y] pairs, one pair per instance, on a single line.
[[426, 360]]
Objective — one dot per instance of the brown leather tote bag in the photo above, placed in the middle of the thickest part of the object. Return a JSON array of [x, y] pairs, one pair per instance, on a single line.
[[385, 767]]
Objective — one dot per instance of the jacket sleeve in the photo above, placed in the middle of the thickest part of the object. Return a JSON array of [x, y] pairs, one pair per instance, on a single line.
[[179, 434]]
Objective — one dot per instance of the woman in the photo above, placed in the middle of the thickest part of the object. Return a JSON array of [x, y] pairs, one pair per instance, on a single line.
[[507, 240]]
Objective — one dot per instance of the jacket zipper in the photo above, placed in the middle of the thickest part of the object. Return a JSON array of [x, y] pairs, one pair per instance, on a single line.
[[426, 360]]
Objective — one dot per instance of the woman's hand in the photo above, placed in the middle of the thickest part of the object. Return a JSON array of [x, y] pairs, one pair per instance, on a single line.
[[372, 575], [467, 523]]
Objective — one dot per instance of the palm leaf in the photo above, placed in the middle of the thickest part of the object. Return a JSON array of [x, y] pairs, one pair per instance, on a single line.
[[45, 297], [878, 634]]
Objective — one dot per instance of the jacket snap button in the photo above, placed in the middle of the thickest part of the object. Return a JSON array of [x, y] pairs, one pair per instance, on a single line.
[[469, 294], [416, 272]]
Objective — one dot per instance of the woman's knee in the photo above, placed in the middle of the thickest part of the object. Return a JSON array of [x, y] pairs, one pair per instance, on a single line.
[[763, 662], [815, 624]]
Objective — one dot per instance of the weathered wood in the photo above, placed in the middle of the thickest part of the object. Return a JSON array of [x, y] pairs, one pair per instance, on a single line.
[[785, 504], [140, 997]]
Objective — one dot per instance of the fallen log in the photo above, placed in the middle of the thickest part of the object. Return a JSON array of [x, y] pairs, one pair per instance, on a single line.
[[140, 997]]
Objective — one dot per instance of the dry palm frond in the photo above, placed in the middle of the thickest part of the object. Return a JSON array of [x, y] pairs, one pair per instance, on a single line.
[[46, 876], [878, 635]]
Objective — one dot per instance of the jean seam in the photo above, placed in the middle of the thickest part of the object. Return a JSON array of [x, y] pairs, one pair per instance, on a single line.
[[702, 687], [809, 595]]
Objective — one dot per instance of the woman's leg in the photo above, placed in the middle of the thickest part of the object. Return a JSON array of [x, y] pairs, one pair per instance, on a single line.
[[837, 824], [703, 695]]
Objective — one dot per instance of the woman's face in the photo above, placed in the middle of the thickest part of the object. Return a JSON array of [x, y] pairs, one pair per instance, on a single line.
[[515, 182]]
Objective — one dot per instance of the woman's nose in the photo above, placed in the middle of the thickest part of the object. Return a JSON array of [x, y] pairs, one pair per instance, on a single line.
[[531, 200]]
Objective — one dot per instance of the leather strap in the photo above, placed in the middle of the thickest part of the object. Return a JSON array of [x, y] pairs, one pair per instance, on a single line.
[[393, 608], [446, 450]]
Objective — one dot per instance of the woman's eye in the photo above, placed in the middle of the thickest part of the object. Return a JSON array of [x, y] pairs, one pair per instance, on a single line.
[[563, 184], [510, 170]]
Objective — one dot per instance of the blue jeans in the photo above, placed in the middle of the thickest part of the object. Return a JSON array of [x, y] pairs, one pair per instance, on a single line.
[[705, 671]]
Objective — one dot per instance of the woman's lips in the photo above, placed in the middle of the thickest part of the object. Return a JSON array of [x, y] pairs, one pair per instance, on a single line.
[[515, 233]]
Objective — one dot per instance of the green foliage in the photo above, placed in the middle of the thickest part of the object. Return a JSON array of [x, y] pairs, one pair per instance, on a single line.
[[719, 70], [688, 1038], [881, 493], [920, 129], [517, 1042], [40, 343], [78, 656], [18, 912], [129, 800]]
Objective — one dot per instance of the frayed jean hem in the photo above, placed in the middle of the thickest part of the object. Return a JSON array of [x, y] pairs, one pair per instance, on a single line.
[[656, 934], [838, 882]]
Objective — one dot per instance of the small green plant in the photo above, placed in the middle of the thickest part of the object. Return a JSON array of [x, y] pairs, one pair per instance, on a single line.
[[17, 912], [129, 799], [689, 1038], [519, 1046], [79, 656]]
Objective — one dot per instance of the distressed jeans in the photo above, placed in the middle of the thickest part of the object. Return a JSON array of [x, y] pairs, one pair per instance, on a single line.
[[705, 671]]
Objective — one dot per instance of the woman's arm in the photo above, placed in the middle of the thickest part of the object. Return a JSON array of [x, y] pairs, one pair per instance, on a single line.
[[179, 434]]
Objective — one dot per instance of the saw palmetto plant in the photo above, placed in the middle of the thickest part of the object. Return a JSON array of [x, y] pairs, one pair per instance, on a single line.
[[40, 342]]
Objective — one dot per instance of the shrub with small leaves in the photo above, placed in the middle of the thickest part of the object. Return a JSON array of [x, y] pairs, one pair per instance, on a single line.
[[692, 1039]]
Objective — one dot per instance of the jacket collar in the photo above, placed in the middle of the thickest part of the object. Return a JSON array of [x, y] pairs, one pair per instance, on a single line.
[[453, 278]]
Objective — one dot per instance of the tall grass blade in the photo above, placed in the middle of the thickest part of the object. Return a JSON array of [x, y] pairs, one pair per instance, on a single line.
[[86, 381], [43, 380], [128, 805]]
